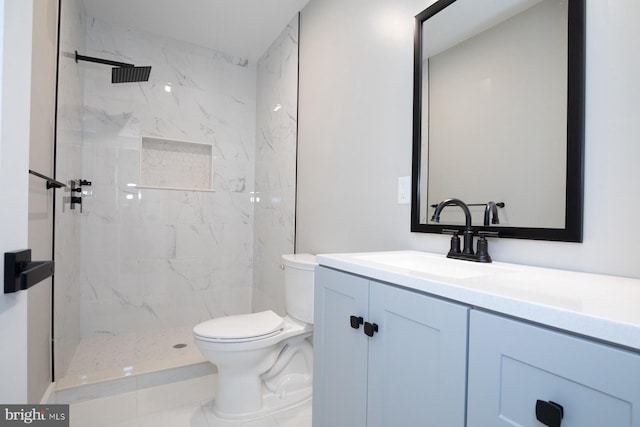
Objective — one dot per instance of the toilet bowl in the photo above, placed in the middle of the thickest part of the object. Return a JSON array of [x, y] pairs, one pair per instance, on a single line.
[[264, 361]]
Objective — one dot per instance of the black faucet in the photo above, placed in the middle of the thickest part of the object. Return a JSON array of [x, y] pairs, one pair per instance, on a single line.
[[467, 249], [491, 209], [482, 254]]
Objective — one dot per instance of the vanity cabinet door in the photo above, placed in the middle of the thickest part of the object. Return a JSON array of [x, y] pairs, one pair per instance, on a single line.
[[404, 366], [513, 365], [340, 351], [417, 360]]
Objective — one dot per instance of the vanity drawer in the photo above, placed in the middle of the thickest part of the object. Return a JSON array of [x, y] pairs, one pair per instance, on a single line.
[[513, 364]]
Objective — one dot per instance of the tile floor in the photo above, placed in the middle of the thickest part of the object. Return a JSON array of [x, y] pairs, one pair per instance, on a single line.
[[186, 403]]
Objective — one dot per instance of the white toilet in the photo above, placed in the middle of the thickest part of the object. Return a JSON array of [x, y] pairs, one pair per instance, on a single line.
[[264, 361]]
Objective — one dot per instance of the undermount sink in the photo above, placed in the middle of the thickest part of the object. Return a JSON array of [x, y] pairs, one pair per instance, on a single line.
[[419, 262]]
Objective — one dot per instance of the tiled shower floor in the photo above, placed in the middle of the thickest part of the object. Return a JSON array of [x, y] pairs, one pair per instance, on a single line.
[[109, 357]]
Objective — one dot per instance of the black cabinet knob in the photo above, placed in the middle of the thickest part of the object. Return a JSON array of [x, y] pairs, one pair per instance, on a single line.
[[549, 413], [370, 329], [356, 322]]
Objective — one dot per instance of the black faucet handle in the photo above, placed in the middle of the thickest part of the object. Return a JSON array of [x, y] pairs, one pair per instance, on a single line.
[[455, 240], [482, 252]]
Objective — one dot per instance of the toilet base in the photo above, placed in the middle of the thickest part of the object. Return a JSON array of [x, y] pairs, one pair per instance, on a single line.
[[261, 377], [272, 404]]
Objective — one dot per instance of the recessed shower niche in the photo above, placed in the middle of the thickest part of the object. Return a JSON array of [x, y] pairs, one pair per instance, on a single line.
[[173, 164]]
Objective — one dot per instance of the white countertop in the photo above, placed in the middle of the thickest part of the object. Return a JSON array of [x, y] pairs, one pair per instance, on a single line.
[[599, 306]]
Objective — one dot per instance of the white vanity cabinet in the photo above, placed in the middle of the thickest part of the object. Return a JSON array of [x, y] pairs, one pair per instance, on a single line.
[[514, 364], [486, 345], [412, 370]]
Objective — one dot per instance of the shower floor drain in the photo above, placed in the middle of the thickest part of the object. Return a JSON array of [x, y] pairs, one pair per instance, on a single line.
[[181, 345]]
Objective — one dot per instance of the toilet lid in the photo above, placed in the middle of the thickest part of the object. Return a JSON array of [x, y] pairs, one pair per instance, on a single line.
[[240, 326]]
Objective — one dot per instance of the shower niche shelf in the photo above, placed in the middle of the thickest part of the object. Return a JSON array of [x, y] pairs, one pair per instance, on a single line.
[[175, 165]]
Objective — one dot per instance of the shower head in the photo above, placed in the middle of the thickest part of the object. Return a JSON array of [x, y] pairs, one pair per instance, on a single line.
[[122, 72], [130, 74]]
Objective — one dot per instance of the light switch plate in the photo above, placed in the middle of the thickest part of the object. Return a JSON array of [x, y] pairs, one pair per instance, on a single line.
[[404, 190]]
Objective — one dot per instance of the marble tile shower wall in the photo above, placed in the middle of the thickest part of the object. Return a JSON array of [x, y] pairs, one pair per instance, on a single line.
[[68, 166], [276, 137], [154, 258]]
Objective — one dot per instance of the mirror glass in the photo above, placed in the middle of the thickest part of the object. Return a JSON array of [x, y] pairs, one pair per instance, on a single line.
[[499, 116]]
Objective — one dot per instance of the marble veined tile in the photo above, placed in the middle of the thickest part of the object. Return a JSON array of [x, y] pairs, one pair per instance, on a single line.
[[152, 258]]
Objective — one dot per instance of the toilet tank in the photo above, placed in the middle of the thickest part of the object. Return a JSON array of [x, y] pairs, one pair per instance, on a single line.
[[298, 285]]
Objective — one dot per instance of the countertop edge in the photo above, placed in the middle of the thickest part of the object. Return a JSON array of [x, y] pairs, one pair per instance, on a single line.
[[608, 328]]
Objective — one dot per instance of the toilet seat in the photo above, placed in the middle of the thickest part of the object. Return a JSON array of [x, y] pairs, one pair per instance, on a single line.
[[290, 329], [240, 328]]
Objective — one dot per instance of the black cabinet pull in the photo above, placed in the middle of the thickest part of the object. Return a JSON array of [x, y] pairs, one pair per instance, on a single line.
[[370, 329], [356, 322], [549, 413]]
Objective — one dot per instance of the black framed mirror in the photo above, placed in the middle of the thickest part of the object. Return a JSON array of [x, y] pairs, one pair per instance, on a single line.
[[499, 116]]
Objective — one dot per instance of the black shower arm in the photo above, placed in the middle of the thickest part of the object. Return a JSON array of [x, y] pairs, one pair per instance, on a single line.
[[102, 61]]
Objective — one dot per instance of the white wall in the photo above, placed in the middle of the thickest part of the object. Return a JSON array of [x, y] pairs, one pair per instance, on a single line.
[[355, 109], [355, 123], [16, 17]]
